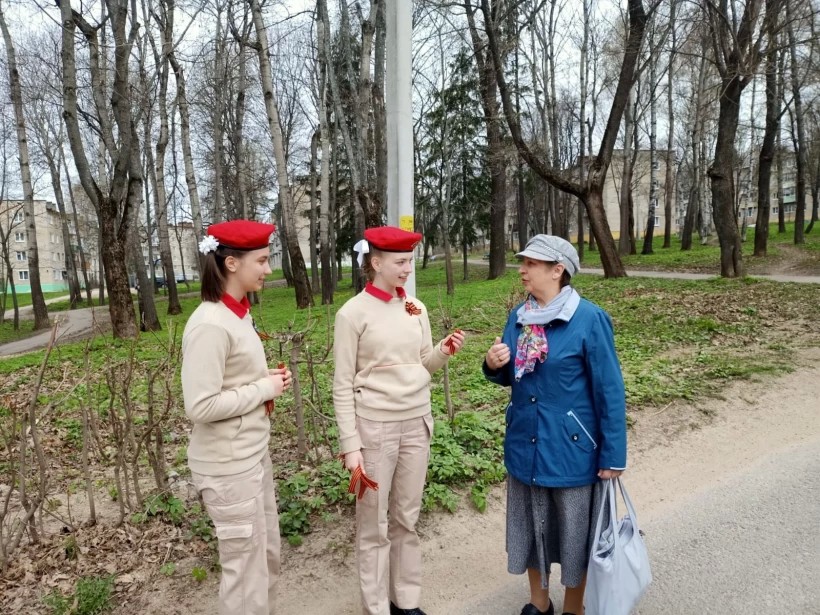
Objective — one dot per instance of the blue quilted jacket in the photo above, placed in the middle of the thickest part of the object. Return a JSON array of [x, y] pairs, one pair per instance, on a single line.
[[566, 419]]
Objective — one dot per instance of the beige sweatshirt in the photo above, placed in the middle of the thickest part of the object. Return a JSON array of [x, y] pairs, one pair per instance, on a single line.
[[225, 385], [384, 357]]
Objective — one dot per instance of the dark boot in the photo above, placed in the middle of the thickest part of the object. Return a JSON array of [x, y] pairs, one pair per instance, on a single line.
[[394, 610], [531, 609]]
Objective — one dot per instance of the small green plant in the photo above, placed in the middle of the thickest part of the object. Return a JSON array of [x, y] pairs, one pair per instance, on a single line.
[[70, 547], [163, 505], [295, 541], [168, 569], [199, 574], [200, 525], [91, 596]]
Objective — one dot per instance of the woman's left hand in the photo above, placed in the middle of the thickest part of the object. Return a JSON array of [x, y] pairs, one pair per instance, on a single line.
[[607, 474]]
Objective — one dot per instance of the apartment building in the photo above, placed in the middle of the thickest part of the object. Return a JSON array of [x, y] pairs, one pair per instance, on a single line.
[[51, 248]]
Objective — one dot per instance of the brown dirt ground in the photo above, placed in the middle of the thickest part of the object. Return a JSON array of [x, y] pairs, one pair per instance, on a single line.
[[464, 553]]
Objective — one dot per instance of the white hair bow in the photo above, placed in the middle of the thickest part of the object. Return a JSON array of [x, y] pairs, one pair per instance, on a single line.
[[208, 244], [362, 247]]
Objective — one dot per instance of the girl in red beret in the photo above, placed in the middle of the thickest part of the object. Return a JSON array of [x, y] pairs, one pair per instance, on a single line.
[[228, 390], [384, 356]]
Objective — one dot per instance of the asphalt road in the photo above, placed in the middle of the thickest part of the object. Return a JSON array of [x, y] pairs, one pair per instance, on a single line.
[[750, 544]]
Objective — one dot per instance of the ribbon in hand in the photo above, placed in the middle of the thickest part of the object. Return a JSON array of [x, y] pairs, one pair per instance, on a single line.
[[269, 403], [451, 346], [360, 482]]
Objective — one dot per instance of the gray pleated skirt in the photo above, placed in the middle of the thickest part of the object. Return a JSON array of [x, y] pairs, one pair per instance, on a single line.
[[551, 525]]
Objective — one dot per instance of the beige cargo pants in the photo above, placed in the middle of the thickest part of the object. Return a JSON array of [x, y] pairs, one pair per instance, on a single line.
[[388, 549], [243, 509]]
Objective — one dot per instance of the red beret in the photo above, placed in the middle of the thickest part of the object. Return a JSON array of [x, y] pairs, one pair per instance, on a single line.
[[242, 234], [392, 239]]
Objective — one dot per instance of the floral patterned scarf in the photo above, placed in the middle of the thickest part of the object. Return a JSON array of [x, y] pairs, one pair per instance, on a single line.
[[532, 344]]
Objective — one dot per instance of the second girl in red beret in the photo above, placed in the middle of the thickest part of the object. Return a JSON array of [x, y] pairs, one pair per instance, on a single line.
[[384, 357]]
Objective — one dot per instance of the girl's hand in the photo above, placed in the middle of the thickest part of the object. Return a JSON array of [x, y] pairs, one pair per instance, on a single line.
[[353, 460], [452, 343], [498, 355], [278, 382], [607, 474], [282, 379]]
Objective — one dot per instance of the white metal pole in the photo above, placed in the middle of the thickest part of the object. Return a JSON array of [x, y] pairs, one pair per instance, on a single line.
[[398, 103]]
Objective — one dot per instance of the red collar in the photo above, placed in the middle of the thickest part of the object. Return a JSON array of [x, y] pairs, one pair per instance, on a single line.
[[383, 295], [240, 308]]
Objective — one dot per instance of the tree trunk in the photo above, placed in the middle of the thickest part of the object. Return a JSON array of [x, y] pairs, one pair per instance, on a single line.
[[38, 301], [764, 171], [113, 207], [218, 212], [670, 191], [304, 297], [625, 233], [690, 219], [649, 233], [80, 238], [800, 144], [324, 175], [43, 130], [166, 24], [314, 214], [736, 50], [721, 174], [187, 155], [496, 154]]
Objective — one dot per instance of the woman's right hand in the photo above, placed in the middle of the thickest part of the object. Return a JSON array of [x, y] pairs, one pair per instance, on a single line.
[[353, 460], [498, 355]]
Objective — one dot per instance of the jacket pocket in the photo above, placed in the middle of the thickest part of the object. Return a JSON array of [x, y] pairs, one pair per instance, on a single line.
[[578, 433]]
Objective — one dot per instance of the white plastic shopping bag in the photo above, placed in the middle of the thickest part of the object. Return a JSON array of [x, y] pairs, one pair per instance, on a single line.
[[619, 571]]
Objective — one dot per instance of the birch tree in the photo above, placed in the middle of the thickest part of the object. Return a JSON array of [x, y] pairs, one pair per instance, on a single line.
[[41, 320], [304, 297]]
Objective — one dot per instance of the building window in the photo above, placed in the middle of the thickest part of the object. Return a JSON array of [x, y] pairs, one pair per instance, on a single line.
[[19, 237], [774, 210], [22, 275], [657, 221], [22, 256], [788, 191], [18, 216], [58, 275]]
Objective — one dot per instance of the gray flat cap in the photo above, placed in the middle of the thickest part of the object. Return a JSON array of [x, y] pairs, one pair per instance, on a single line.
[[553, 249]]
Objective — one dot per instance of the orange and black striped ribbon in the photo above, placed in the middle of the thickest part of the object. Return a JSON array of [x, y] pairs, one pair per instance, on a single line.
[[360, 482]]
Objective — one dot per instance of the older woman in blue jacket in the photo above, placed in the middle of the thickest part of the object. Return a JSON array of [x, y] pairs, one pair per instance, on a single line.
[[566, 422]]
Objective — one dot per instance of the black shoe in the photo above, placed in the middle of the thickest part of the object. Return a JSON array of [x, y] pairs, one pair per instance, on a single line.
[[531, 609], [394, 610]]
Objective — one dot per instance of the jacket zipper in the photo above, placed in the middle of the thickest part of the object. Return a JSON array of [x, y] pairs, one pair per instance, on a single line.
[[584, 429]]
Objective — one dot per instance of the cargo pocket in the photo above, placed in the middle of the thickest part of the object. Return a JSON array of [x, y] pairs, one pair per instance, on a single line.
[[234, 526]]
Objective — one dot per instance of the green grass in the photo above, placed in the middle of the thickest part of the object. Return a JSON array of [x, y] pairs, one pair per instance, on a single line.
[[676, 340], [706, 258], [24, 299]]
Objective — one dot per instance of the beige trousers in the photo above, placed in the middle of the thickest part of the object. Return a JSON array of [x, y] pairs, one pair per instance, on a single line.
[[243, 509], [388, 549]]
